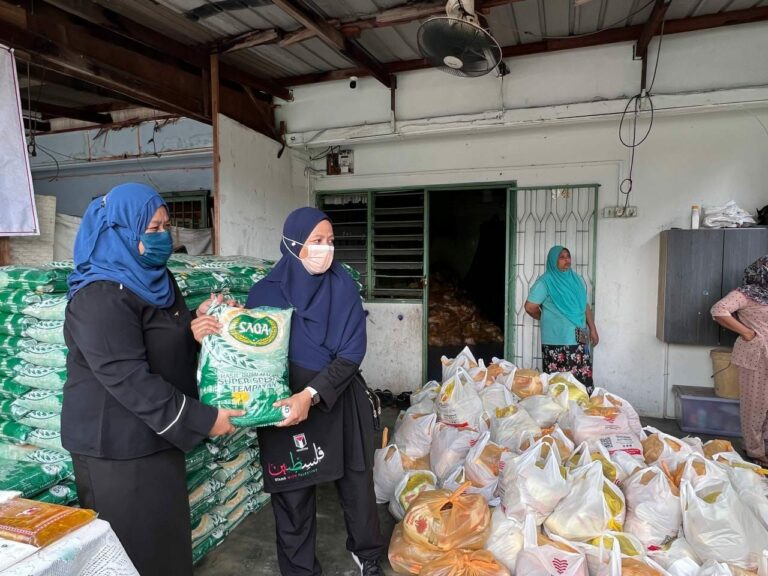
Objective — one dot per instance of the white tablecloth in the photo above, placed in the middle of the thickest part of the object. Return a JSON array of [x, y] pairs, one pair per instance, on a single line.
[[93, 550]]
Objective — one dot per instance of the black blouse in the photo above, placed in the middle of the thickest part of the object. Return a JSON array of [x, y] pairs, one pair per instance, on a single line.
[[131, 385]]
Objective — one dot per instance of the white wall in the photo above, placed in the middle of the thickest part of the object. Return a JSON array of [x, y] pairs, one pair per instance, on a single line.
[[719, 153], [256, 191]]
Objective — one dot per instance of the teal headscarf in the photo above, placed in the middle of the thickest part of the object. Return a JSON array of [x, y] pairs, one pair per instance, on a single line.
[[565, 288]]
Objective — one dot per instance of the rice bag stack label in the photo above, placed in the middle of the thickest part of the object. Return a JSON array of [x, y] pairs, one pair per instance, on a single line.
[[246, 366]]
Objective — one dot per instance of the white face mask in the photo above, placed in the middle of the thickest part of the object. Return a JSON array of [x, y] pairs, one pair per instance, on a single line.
[[319, 258]]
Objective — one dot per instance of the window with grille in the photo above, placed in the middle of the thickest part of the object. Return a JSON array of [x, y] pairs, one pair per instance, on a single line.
[[188, 209], [381, 235]]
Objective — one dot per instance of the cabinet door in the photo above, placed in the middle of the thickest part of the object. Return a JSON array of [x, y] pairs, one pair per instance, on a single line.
[[690, 281], [741, 247]]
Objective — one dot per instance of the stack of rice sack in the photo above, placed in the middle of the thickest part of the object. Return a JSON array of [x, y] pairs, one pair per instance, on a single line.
[[32, 375], [572, 484], [225, 484]]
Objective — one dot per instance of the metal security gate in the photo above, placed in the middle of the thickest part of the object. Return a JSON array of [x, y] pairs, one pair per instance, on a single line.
[[545, 217]]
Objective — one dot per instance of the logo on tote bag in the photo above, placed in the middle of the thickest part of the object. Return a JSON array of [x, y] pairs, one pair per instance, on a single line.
[[253, 331], [300, 440]]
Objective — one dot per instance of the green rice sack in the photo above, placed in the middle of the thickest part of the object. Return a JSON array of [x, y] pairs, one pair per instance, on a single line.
[[42, 354], [43, 279], [63, 494], [13, 432], [50, 307], [10, 412], [31, 478], [14, 301], [246, 366], [202, 454], [11, 345], [11, 390], [49, 331], [29, 453], [195, 479], [39, 419], [42, 400], [9, 365], [16, 324], [41, 377], [195, 281], [50, 439]]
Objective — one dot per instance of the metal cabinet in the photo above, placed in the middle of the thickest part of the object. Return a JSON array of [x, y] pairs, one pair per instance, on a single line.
[[698, 267]]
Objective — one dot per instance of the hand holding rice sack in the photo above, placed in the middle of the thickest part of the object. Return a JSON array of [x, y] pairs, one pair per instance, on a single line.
[[130, 407], [328, 435]]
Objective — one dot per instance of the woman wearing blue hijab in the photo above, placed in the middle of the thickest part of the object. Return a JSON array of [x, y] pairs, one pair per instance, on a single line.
[[558, 300], [130, 407], [329, 435]]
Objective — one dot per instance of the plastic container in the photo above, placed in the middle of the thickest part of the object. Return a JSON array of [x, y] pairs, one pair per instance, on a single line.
[[725, 374], [695, 217], [699, 411]]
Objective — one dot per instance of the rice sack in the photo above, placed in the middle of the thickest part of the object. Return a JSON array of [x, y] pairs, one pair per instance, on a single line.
[[246, 366]]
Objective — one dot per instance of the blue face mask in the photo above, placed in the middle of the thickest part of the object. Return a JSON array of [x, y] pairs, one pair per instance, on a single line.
[[158, 247]]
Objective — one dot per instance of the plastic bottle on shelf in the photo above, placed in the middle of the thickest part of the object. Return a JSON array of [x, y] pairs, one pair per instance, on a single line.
[[695, 217]]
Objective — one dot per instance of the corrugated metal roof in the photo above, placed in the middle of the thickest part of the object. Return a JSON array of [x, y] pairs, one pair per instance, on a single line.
[[519, 22]]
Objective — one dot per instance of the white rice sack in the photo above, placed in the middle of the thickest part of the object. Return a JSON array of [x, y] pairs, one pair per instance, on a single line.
[[246, 366]]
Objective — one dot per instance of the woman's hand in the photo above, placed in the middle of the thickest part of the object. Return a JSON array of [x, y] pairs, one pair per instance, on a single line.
[[222, 424], [202, 310], [748, 335], [594, 338], [299, 404], [203, 326]]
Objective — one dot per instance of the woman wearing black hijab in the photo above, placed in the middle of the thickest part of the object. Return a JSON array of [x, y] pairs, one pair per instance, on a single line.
[[329, 435]]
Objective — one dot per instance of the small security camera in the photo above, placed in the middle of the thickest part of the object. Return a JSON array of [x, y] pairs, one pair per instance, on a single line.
[[353, 82]]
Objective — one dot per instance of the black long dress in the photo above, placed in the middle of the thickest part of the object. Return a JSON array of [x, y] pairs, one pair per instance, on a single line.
[[130, 411]]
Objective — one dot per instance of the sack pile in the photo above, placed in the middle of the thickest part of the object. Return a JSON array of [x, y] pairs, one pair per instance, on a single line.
[[224, 476], [454, 320], [32, 374], [504, 471]]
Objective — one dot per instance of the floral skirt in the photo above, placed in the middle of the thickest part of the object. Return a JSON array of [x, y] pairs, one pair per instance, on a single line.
[[574, 359]]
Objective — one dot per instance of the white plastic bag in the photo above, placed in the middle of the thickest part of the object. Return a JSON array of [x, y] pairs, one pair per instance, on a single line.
[[414, 435], [412, 484], [532, 483], [699, 471], [601, 397], [450, 446], [496, 396], [458, 476], [546, 409], [423, 399], [482, 465], [547, 559], [458, 401], [510, 424], [677, 558], [593, 506], [619, 565], [464, 359], [748, 481], [502, 371], [653, 507], [660, 448], [714, 568], [719, 527], [387, 472], [505, 540]]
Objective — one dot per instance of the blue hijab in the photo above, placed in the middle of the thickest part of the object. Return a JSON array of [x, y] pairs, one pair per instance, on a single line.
[[565, 288], [107, 245], [328, 319]]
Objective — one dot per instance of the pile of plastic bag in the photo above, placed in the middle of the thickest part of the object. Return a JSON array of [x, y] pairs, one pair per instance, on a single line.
[[504, 471]]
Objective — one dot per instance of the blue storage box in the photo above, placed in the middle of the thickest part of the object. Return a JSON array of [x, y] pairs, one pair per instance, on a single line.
[[700, 411]]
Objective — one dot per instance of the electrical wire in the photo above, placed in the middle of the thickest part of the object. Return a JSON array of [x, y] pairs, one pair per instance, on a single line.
[[626, 185]]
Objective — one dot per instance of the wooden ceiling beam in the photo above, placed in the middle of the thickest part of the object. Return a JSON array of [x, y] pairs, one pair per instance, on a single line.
[[611, 36], [197, 56], [335, 39], [52, 40], [247, 40], [39, 125], [651, 27], [56, 111]]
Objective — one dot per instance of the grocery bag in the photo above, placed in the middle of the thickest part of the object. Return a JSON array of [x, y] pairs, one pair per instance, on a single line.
[[413, 483], [506, 539], [677, 558], [387, 471], [464, 359], [509, 424], [414, 435], [406, 556], [458, 401], [495, 396], [483, 464], [465, 563], [653, 507], [527, 382], [547, 558], [450, 446]]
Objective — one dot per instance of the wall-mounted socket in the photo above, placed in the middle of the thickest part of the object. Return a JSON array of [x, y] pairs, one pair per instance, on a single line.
[[620, 211]]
